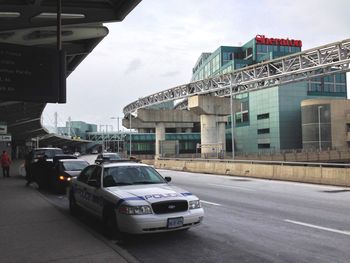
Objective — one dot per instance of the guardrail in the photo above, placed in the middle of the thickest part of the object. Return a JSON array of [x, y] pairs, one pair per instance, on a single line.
[[312, 164], [305, 172]]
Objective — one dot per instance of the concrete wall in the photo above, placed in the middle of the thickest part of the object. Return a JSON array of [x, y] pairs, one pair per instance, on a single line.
[[332, 156], [210, 105], [305, 174], [172, 116], [339, 109]]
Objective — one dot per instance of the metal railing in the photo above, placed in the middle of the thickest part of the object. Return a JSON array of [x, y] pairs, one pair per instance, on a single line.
[[324, 60]]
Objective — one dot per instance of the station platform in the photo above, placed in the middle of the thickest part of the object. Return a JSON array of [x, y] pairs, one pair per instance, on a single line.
[[33, 230]]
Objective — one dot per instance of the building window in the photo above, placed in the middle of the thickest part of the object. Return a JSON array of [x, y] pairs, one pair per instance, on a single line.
[[216, 63], [329, 84], [242, 117], [207, 70], [263, 146], [245, 105], [263, 131], [227, 56], [315, 86], [340, 88], [248, 52], [263, 116], [201, 74], [243, 114], [261, 48]]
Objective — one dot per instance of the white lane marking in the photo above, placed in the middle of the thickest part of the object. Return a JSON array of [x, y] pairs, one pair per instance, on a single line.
[[210, 203], [234, 187], [319, 227]]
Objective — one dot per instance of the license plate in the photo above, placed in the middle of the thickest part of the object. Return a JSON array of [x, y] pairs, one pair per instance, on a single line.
[[175, 222]]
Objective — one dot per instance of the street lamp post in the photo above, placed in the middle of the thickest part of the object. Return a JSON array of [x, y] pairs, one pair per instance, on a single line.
[[106, 141], [118, 133], [130, 135], [232, 125], [319, 127]]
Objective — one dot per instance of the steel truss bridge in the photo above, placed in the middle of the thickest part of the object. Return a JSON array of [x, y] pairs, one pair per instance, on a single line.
[[110, 136], [324, 60]]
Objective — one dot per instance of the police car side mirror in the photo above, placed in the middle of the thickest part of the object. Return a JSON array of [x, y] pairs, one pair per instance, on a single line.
[[167, 178], [93, 183]]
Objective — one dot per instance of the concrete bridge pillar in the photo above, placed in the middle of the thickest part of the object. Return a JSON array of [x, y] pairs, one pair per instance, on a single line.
[[222, 134], [160, 136], [208, 129], [213, 112]]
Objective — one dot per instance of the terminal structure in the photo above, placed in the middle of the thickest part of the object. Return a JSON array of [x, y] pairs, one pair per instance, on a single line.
[[267, 79], [43, 41]]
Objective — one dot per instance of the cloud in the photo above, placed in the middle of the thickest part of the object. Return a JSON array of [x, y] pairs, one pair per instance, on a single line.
[[170, 74], [133, 66], [159, 42]]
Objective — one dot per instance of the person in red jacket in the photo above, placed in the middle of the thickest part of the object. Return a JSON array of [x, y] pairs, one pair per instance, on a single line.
[[5, 164]]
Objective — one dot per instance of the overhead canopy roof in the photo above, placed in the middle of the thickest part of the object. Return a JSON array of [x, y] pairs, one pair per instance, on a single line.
[[60, 141], [33, 23], [20, 14]]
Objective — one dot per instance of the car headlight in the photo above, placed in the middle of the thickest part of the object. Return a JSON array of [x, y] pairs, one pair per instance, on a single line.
[[64, 178], [135, 210], [194, 204]]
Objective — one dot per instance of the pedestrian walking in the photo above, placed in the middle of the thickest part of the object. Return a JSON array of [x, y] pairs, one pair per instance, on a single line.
[[5, 164]]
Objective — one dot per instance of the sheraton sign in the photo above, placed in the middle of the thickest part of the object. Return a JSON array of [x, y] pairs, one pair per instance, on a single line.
[[261, 39]]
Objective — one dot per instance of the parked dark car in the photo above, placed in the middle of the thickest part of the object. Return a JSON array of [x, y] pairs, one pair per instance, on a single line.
[[63, 172], [107, 157], [48, 152], [40, 163]]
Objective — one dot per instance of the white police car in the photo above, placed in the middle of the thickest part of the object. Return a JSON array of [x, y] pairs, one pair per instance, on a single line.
[[133, 198]]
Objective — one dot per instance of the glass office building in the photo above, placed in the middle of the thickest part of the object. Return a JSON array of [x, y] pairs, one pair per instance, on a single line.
[[269, 119], [78, 129]]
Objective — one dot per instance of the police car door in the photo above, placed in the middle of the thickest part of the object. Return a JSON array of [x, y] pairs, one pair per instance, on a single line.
[[80, 187], [95, 201]]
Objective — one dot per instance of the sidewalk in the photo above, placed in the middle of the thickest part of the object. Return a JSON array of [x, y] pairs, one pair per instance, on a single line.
[[34, 230]]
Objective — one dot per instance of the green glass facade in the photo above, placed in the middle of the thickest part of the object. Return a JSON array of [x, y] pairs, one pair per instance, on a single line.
[[144, 143], [269, 119]]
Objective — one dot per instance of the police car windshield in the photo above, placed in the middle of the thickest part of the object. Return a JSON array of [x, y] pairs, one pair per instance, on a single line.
[[129, 175]]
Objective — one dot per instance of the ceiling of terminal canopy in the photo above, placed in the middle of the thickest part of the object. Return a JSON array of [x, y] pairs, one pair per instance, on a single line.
[[33, 23]]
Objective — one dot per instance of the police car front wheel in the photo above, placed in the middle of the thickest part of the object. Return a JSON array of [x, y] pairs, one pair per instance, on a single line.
[[110, 224]]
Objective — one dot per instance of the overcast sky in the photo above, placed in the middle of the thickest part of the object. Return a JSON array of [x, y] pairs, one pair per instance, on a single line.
[[158, 43]]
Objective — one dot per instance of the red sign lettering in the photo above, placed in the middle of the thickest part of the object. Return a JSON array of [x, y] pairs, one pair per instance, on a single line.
[[261, 39]]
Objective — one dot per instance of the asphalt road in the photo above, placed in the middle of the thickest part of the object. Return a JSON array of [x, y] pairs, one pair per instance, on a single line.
[[250, 220]]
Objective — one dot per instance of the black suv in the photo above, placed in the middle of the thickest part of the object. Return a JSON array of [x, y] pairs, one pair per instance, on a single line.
[[41, 163], [49, 153]]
